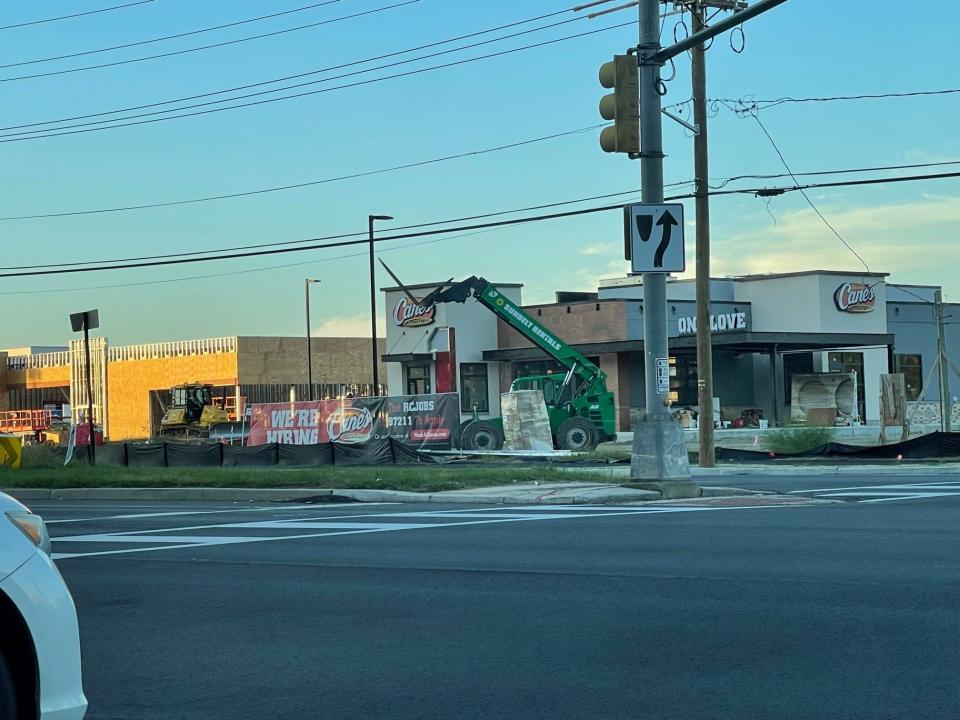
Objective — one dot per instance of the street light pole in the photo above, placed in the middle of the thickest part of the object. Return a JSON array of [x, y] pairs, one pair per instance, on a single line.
[[306, 287], [91, 425], [373, 302], [87, 321]]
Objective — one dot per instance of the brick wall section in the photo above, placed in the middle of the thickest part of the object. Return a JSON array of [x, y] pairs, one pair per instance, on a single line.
[[129, 383], [270, 360], [585, 322], [506, 377], [617, 384]]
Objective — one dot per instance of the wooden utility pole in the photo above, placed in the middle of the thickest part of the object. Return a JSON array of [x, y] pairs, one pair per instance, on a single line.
[[702, 193], [701, 173], [946, 400]]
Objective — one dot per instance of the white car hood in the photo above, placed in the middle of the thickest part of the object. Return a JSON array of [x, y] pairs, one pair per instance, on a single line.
[[15, 548]]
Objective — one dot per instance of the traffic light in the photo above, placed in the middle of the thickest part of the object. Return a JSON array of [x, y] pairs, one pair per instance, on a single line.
[[622, 105]]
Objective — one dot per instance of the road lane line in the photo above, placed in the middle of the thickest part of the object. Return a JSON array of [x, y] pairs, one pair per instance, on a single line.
[[376, 528], [137, 516], [918, 496], [952, 485]]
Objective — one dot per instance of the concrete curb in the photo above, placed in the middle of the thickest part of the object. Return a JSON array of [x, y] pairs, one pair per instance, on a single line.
[[826, 470], [707, 491], [597, 495], [610, 495], [617, 473]]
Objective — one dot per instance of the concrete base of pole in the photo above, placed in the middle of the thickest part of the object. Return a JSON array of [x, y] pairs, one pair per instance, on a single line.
[[659, 461], [669, 489]]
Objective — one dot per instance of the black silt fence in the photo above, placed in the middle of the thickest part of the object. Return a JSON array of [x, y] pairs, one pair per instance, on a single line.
[[168, 454]]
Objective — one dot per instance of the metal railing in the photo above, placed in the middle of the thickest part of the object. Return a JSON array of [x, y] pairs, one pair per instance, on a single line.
[[39, 360], [179, 348], [18, 421]]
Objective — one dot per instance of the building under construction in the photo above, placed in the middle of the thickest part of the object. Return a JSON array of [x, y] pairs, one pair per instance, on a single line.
[[131, 383]]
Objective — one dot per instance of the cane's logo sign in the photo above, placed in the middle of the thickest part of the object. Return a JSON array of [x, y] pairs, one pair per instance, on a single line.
[[407, 314], [855, 298], [350, 425]]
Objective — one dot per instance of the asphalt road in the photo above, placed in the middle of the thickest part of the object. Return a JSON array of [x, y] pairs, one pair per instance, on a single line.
[[855, 487], [839, 610]]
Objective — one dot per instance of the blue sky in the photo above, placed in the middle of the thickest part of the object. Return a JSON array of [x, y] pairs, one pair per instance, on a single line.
[[802, 48]]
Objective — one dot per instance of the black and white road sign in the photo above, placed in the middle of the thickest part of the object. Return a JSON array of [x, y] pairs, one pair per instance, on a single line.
[[663, 376], [653, 235]]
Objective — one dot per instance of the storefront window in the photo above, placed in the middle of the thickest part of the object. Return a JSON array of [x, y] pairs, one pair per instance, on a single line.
[[474, 392], [844, 362], [911, 366], [794, 364], [418, 379], [683, 380]]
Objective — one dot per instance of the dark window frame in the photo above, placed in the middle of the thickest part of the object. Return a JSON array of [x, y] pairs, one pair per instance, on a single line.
[[425, 379], [914, 391], [474, 372]]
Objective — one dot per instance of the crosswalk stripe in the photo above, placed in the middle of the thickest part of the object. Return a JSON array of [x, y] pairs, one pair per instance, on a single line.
[[887, 493], [173, 538]]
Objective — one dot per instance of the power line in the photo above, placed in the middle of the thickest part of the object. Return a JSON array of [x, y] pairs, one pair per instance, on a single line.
[[766, 104], [169, 37], [309, 183], [55, 131], [746, 105], [442, 231], [849, 171], [806, 197], [233, 273], [74, 15], [769, 192], [304, 248], [290, 77], [208, 47], [434, 223], [259, 93], [909, 292], [720, 182]]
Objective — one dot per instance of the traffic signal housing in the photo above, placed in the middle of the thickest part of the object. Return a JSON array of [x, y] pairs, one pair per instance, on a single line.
[[622, 105]]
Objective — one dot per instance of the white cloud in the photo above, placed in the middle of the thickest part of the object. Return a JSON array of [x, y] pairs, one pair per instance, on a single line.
[[353, 326], [597, 249], [915, 241]]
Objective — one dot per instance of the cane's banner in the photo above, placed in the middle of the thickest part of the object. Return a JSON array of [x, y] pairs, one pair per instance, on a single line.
[[420, 421]]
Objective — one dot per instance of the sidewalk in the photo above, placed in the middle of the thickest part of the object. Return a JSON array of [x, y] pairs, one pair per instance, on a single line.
[[573, 493], [620, 472]]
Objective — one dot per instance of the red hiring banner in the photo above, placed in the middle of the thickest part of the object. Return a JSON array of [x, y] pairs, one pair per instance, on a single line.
[[420, 420]]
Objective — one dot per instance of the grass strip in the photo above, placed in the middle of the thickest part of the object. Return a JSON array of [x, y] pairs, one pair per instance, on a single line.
[[414, 478]]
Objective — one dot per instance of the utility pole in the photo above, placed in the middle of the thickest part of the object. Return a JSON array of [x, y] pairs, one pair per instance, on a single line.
[[306, 287], [659, 452], [659, 460], [373, 304], [701, 173], [946, 400]]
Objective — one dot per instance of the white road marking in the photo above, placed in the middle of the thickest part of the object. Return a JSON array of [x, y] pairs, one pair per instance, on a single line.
[[915, 496], [871, 493], [345, 528], [308, 525], [193, 539], [137, 516], [948, 485]]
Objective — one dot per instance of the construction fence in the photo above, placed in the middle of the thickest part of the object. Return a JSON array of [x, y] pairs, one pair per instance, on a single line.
[[169, 454]]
